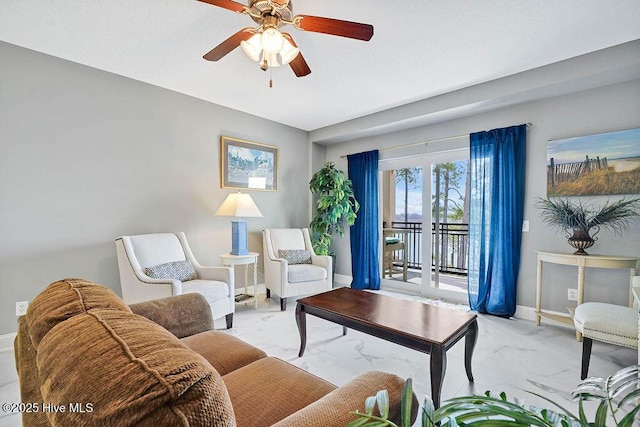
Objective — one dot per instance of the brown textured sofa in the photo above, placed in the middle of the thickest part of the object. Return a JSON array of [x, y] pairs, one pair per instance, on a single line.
[[160, 363]]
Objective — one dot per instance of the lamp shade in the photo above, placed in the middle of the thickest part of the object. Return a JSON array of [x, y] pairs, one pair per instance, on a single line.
[[239, 205]]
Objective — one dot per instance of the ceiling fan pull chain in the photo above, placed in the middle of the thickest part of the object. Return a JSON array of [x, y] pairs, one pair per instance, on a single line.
[[270, 79]]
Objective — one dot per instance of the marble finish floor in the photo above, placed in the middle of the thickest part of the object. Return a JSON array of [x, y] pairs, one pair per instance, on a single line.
[[511, 355]]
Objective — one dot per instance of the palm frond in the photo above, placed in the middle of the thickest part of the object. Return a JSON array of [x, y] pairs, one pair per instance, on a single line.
[[562, 214], [616, 216]]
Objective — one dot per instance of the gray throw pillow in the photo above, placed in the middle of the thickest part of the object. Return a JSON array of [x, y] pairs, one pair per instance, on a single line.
[[178, 270], [295, 256]]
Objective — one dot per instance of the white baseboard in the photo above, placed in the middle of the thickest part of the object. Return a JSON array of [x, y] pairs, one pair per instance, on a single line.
[[525, 312], [342, 279], [6, 341], [529, 313]]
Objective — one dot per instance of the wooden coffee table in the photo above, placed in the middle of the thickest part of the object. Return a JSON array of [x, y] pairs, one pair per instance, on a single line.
[[423, 327]]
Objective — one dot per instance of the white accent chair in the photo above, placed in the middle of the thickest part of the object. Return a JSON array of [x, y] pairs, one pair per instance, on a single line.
[[291, 280], [609, 323], [135, 253]]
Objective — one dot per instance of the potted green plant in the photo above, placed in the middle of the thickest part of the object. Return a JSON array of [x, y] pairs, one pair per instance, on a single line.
[[578, 219], [618, 393], [336, 203]]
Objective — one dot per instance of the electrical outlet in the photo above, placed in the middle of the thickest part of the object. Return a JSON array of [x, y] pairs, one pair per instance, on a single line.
[[21, 308], [525, 226], [572, 294]]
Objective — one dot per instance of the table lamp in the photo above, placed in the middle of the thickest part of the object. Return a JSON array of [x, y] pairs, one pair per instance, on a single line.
[[239, 205]]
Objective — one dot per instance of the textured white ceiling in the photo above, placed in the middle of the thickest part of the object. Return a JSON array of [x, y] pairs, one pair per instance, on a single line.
[[420, 48]]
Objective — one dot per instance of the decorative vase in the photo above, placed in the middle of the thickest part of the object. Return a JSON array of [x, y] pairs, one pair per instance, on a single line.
[[581, 240]]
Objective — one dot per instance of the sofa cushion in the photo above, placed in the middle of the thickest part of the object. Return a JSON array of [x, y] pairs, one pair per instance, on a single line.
[[306, 273], [334, 408], [295, 256], [176, 270], [64, 299], [131, 371], [225, 352], [270, 389], [182, 315]]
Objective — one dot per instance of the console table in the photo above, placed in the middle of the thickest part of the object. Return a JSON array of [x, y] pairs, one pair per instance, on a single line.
[[582, 262], [230, 260]]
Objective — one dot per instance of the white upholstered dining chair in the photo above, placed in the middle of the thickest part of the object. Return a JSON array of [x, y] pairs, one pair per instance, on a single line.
[[609, 323], [159, 265], [291, 267]]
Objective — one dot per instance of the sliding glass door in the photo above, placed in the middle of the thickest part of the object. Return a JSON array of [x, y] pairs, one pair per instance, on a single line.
[[425, 224]]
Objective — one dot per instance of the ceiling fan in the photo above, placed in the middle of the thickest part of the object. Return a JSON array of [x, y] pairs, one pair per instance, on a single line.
[[270, 47]]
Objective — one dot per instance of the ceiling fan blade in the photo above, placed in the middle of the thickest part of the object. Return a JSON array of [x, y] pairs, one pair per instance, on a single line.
[[227, 4], [229, 44], [298, 64], [336, 27]]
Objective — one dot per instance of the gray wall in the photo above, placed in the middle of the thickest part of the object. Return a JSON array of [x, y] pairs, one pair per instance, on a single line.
[[87, 156], [605, 109]]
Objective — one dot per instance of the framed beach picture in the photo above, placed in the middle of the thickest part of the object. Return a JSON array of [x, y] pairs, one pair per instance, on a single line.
[[249, 165], [600, 164]]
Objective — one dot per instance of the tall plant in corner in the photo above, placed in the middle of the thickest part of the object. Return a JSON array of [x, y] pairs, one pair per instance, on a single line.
[[336, 203]]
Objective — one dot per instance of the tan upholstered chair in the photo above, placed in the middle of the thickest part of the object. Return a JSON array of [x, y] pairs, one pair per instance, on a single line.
[[153, 266], [291, 267]]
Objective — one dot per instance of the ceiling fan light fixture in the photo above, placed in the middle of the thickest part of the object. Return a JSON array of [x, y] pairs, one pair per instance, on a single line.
[[288, 52], [272, 40], [252, 47], [265, 43], [271, 59]]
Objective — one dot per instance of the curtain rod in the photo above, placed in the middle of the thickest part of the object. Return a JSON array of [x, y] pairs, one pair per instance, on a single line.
[[395, 147]]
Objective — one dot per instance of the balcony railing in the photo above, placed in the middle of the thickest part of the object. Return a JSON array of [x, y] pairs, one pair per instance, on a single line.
[[453, 243]]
